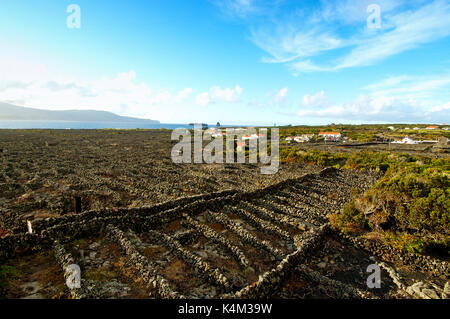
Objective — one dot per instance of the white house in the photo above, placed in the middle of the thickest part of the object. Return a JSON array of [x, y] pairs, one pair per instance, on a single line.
[[219, 134], [300, 139], [331, 136], [303, 138], [241, 146], [406, 140], [251, 137]]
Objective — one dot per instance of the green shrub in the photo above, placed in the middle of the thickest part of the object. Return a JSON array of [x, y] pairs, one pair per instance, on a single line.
[[350, 220], [7, 274], [405, 242], [413, 195]]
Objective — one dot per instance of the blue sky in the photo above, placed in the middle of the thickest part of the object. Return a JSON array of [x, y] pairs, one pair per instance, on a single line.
[[233, 61]]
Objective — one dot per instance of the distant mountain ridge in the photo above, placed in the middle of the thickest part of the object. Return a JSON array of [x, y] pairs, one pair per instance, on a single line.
[[11, 112]]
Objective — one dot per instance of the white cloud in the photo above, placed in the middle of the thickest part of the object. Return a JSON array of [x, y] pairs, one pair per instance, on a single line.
[[245, 8], [300, 38], [271, 99], [227, 94], [406, 86], [280, 98], [439, 108], [318, 99], [183, 94], [378, 109], [403, 98], [290, 44], [389, 82], [404, 31], [203, 99], [237, 7], [364, 108], [163, 97], [282, 94], [354, 12], [121, 94], [217, 94]]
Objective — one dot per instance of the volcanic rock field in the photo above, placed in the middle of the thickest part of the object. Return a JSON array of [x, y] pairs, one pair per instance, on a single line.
[[149, 228]]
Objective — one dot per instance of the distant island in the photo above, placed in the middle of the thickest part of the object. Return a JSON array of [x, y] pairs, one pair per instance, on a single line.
[[9, 112]]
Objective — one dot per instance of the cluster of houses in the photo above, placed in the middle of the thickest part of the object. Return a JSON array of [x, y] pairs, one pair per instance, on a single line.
[[242, 142], [408, 140], [252, 137], [331, 136], [327, 136], [430, 127], [220, 133]]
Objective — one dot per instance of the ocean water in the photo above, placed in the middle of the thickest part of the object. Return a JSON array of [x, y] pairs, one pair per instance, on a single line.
[[62, 125]]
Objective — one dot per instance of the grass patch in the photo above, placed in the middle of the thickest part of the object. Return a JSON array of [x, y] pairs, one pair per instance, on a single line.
[[7, 275]]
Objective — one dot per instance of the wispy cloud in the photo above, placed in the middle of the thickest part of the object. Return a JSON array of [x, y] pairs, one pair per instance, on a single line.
[[335, 35], [417, 87], [239, 8], [246, 8], [403, 31]]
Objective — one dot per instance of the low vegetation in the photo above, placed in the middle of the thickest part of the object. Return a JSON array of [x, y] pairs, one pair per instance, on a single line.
[[409, 206], [7, 275]]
